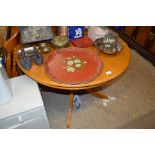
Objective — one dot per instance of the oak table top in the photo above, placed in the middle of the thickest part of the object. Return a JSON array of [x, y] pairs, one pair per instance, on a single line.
[[116, 64]]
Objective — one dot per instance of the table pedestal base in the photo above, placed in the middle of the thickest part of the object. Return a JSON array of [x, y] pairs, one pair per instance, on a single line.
[[71, 96], [98, 94], [70, 109]]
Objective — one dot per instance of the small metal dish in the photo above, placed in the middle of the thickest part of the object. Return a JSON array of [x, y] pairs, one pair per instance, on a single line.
[[42, 45], [46, 49]]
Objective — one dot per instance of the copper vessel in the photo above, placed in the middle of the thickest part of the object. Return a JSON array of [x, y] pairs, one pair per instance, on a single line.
[[62, 31]]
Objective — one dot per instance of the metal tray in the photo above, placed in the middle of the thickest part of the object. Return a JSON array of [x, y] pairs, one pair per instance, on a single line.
[[73, 65]]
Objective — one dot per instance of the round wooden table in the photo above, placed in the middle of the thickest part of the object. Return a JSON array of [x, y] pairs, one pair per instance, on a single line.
[[113, 64]]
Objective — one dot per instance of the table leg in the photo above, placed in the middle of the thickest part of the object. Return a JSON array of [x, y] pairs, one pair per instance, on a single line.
[[70, 109], [98, 94]]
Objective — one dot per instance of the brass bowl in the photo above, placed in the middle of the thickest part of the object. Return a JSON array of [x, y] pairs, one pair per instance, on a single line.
[[60, 41]]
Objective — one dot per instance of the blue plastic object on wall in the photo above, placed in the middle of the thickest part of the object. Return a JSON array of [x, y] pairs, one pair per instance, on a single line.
[[76, 32]]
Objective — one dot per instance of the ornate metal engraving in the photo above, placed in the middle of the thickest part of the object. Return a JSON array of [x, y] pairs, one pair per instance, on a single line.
[[31, 34]]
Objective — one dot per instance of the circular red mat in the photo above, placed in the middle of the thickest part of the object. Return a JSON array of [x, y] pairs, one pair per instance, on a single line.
[[73, 65]]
